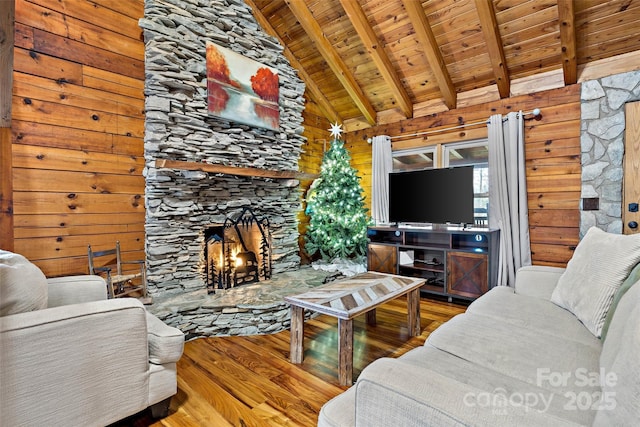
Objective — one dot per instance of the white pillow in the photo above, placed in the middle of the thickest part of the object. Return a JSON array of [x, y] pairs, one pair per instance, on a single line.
[[599, 265], [23, 286]]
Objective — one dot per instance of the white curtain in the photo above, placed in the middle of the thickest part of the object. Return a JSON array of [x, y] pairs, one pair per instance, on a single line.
[[382, 165], [508, 194]]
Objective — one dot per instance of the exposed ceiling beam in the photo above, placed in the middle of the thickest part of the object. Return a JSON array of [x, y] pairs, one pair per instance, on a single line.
[[421, 26], [337, 65], [494, 46], [383, 63], [315, 93], [566, 18]]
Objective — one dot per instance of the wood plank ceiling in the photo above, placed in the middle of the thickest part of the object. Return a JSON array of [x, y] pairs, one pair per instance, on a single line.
[[366, 62]]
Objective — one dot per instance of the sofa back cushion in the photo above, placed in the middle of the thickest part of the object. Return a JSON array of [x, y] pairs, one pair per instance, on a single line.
[[620, 365], [631, 280], [23, 286], [599, 265]]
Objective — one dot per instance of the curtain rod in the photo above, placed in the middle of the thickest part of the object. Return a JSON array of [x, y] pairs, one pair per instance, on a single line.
[[535, 112]]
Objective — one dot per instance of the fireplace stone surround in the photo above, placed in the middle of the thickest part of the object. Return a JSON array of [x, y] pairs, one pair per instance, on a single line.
[[181, 203]]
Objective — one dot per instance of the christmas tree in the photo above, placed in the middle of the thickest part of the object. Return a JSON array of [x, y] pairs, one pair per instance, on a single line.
[[338, 225]]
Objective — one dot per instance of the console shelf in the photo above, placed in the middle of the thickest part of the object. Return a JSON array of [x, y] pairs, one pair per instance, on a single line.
[[456, 262]]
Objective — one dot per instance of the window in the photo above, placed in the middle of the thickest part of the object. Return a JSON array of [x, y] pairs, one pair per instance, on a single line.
[[474, 153], [415, 158]]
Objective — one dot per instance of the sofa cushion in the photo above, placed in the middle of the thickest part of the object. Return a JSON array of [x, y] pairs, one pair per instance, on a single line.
[[519, 352], [599, 265], [23, 286], [530, 312], [620, 376], [430, 387]]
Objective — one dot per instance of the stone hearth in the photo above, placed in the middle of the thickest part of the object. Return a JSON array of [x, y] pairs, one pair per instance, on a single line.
[[251, 309]]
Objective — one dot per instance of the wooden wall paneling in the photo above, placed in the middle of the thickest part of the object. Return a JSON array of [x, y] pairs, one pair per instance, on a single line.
[[60, 159], [52, 113], [80, 52], [6, 83], [23, 233], [54, 69], [554, 181], [130, 88], [70, 224], [78, 131], [39, 203], [117, 16], [553, 147], [631, 180], [65, 25], [318, 136], [76, 246], [79, 96], [6, 191], [46, 180]]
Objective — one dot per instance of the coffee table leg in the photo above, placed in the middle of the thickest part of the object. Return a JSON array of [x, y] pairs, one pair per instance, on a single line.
[[345, 351], [413, 308], [371, 317], [297, 334]]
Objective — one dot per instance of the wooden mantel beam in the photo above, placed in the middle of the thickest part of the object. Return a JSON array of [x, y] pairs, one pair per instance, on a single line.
[[335, 62], [428, 43], [380, 58], [232, 170], [314, 91], [491, 33], [566, 17]]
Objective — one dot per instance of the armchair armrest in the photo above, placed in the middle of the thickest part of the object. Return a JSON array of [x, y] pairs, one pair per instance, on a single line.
[[76, 289], [166, 343], [537, 280], [59, 361]]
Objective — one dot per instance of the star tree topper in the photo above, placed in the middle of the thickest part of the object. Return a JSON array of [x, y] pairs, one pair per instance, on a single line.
[[336, 130]]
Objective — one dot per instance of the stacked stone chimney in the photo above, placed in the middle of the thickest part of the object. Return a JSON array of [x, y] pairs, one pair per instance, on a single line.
[[180, 204]]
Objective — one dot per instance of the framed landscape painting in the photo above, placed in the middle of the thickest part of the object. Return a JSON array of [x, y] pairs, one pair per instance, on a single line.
[[241, 89]]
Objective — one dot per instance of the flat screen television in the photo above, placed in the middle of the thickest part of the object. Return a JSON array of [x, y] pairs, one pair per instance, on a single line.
[[436, 196]]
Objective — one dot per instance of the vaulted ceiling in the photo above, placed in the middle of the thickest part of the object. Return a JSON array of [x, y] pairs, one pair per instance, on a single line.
[[366, 62]]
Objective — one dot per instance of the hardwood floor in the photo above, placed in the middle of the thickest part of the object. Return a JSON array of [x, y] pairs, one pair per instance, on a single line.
[[249, 381]]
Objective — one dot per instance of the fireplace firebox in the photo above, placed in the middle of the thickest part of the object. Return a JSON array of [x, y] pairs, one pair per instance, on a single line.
[[237, 252]]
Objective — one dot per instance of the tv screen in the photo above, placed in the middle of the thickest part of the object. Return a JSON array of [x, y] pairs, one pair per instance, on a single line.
[[436, 196]]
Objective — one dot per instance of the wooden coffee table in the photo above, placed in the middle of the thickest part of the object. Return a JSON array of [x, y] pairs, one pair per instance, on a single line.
[[346, 299]]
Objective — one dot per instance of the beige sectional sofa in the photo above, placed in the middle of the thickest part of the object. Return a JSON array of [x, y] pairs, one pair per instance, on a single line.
[[532, 355], [71, 357]]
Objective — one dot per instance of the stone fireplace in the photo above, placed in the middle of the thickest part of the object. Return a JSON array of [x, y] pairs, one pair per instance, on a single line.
[[183, 203]]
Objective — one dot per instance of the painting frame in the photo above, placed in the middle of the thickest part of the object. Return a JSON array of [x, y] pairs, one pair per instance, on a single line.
[[241, 89]]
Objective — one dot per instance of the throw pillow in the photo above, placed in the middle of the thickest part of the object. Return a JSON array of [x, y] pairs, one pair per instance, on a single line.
[[599, 265], [23, 286]]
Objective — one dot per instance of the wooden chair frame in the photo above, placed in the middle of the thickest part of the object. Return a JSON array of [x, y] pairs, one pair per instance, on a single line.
[[119, 284]]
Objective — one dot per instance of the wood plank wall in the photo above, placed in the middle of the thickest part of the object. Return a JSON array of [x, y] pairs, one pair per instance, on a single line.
[[552, 151], [318, 139], [77, 131], [6, 83]]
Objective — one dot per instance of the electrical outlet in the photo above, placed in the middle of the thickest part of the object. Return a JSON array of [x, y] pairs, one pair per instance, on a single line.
[[590, 203]]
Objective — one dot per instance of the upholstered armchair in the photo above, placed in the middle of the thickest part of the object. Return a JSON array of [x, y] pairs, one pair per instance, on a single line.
[[70, 356]]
